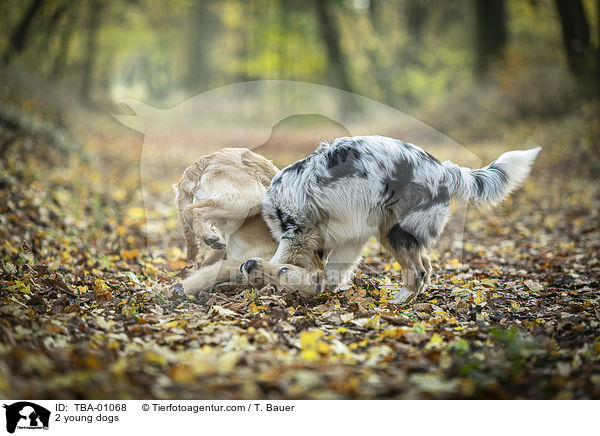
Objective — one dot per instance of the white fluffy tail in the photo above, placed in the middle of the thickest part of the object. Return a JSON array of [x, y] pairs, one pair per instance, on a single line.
[[491, 184]]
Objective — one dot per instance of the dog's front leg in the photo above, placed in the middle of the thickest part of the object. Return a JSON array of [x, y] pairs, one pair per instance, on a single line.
[[341, 264], [225, 271]]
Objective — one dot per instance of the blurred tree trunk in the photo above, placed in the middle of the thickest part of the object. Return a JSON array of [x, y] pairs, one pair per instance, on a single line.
[[598, 48], [54, 20], [336, 62], [576, 36], [93, 28], [18, 38], [373, 14], [65, 39], [490, 33], [416, 16], [204, 25]]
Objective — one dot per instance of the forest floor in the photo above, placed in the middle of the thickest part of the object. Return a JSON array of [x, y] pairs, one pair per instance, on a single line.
[[85, 311]]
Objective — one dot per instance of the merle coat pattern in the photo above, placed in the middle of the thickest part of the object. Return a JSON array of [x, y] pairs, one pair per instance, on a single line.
[[355, 188]]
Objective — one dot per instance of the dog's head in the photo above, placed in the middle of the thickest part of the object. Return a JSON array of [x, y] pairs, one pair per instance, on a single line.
[[285, 277]]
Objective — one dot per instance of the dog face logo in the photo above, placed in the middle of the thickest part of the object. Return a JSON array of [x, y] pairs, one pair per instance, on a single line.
[[26, 415]]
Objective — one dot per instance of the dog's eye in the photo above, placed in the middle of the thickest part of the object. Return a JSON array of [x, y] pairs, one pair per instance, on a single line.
[[283, 270]]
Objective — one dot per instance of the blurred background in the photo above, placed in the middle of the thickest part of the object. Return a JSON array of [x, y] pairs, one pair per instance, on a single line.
[[492, 75], [468, 68]]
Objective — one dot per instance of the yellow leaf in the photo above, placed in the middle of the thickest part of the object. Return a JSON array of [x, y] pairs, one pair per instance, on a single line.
[[323, 347], [20, 286], [479, 297], [136, 213], [178, 323], [309, 339], [130, 254], [310, 355], [255, 309], [100, 286], [155, 358], [81, 290], [514, 305], [182, 374], [435, 342], [373, 322], [454, 262]]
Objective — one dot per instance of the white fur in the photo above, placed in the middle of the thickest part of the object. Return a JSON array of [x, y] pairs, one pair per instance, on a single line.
[[373, 186]]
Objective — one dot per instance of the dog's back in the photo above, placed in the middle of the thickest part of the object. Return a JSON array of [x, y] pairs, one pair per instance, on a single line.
[[232, 175]]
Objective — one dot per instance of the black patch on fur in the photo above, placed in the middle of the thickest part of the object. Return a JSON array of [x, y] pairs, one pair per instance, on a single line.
[[484, 177], [338, 154], [429, 201], [276, 181], [298, 167], [401, 186], [402, 193], [429, 157], [342, 160], [443, 195], [501, 173], [479, 178], [272, 216], [400, 238], [288, 225]]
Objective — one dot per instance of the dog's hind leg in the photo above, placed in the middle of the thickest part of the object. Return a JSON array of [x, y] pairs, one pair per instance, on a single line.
[[195, 226], [213, 256], [226, 208], [191, 242], [428, 269], [416, 267], [206, 278]]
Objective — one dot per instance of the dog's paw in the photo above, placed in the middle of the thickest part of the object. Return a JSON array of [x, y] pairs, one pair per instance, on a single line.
[[401, 296], [213, 241], [249, 266]]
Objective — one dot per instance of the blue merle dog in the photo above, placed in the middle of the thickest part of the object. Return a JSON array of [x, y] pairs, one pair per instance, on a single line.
[[355, 188]]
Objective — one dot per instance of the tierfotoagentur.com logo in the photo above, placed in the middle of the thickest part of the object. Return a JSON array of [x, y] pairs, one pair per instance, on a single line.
[[24, 415]]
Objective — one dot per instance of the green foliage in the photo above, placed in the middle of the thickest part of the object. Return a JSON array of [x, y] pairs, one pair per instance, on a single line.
[[397, 51]]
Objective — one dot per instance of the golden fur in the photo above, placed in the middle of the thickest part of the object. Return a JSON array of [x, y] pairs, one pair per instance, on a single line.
[[218, 200]]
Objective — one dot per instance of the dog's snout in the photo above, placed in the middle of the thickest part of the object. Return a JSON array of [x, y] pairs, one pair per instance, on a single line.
[[250, 265]]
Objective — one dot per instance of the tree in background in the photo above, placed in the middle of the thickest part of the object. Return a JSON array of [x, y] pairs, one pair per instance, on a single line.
[[490, 33], [66, 35], [93, 29], [337, 66], [18, 38], [576, 38], [204, 25]]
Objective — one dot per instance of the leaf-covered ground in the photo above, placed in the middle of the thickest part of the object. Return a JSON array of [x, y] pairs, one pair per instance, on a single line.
[[86, 313]]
